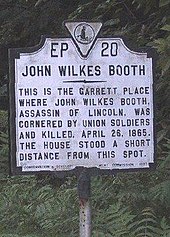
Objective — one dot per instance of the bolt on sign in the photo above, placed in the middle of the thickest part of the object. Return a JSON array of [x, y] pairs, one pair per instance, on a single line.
[[81, 101]]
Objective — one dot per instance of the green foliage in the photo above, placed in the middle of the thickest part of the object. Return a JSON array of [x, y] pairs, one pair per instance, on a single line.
[[28, 210], [3, 121], [164, 3], [4, 144], [4, 168], [117, 222]]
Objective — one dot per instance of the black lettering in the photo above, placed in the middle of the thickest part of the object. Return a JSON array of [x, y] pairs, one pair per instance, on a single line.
[[91, 144], [57, 50], [133, 154], [105, 154], [78, 155]]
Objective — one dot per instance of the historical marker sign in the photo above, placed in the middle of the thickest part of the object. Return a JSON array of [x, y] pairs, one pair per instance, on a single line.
[[81, 101]]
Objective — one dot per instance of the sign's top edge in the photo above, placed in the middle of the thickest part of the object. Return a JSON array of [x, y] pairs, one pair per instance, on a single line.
[[45, 40]]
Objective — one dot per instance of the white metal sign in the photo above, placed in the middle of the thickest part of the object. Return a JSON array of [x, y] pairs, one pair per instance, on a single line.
[[81, 101]]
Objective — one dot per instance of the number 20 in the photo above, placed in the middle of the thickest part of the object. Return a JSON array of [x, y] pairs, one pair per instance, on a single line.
[[109, 49]]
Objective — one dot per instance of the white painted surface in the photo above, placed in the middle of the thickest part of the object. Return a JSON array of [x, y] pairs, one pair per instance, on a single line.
[[105, 144]]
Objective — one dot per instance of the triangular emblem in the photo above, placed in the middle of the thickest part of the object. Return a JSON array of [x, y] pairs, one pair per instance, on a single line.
[[84, 35]]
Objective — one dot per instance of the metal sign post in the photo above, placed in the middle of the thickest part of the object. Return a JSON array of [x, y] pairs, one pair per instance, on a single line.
[[84, 202], [85, 218]]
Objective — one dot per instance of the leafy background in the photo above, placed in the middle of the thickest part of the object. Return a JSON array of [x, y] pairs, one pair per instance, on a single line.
[[125, 205]]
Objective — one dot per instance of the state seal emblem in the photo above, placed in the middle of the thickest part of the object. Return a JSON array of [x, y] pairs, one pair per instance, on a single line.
[[84, 33]]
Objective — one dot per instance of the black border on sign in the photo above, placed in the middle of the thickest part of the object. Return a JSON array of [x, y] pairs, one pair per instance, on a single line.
[[15, 54]]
